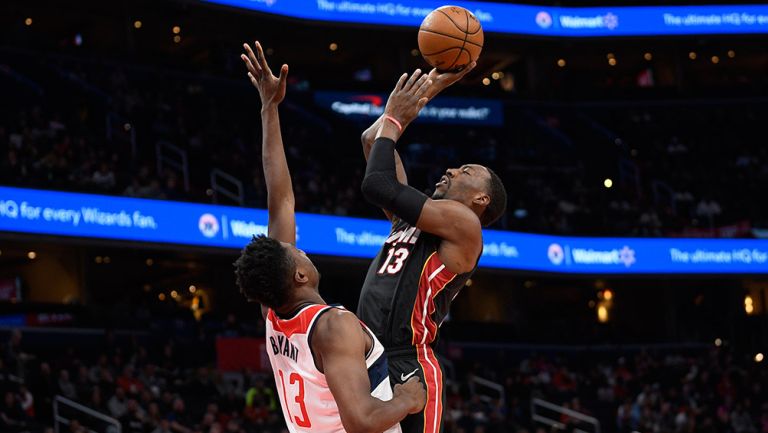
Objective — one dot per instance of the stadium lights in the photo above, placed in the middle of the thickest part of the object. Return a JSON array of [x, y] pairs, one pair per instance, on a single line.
[[692, 55], [648, 56], [486, 81], [749, 304], [561, 63], [174, 294], [715, 59], [602, 314], [107, 260], [612, 62], [608, 183], [149, 262], [137, 24], [759, 357], [610, 56], [608, 294], [718, 342], [731, 54], [176, 30], [161, 296], [333, 46], [98, 259], [32, 255], [177, 39], [192, 289], [28, 21], [495, 75]]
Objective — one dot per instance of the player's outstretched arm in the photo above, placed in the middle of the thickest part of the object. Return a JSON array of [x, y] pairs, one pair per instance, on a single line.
[[280, 199], [339, 344], [452, 221]]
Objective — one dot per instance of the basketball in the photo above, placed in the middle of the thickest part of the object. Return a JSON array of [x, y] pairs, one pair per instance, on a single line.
[[450, 38]]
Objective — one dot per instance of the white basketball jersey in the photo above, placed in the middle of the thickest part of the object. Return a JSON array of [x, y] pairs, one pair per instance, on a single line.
[[306, 400]]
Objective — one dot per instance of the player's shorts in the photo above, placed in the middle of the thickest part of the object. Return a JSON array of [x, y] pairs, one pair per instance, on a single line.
[[420, 361]]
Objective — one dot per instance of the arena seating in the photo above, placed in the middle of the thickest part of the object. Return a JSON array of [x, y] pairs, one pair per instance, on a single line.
[[166, 131]]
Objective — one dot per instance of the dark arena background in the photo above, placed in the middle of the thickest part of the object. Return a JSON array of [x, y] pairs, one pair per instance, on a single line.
[[624, 290]]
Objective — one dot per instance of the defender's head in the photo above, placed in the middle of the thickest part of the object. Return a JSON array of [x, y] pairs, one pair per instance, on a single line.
[[476, 186], [270, 272]]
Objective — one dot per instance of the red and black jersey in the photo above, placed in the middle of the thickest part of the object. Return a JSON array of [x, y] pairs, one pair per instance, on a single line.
[[408, 291]]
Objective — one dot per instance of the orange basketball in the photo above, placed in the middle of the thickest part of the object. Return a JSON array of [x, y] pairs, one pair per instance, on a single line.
[[450, 38]]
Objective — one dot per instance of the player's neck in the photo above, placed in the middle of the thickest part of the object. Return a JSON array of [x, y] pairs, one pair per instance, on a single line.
[[302, 297]]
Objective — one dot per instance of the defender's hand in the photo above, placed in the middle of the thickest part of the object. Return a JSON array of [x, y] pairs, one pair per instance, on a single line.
[[408, 97], [443, 80], [412, 390], [271, 88]]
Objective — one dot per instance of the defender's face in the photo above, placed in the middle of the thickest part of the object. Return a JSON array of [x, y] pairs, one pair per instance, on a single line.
[[303, 263], [461, 183]]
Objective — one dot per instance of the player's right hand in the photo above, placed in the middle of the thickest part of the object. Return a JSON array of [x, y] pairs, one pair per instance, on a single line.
[[443, 80], [412, 390], [271, 88], [408, 98]]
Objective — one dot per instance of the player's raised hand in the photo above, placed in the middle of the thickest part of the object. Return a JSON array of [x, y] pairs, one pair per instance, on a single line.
[[271, 88], [443, 80], [408, 97], [414, 391]]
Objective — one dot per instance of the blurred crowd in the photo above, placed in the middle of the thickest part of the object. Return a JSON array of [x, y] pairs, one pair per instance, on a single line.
[[146, 390], [708, 391], [155, 389], [673, 170]]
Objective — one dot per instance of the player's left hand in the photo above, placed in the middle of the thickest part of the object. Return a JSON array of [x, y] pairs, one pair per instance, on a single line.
[[443, 80], [271, 88], [408, 97]]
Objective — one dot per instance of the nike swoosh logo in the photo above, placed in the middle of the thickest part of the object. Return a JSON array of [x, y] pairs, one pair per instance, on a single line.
[[404, 377]]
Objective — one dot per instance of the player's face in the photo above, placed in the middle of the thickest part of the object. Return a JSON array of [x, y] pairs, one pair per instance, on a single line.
[[462, 183], [303, 264]]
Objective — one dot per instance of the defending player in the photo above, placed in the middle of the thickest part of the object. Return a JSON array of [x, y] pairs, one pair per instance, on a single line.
[[432, 250], [330, 370]]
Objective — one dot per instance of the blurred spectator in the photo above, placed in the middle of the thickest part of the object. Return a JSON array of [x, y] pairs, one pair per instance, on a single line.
[[65, 386], [134, 419], [12, 417], [118, 404], [103, 178]]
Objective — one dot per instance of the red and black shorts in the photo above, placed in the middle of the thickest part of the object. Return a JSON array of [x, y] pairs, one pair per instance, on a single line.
[[420, 361]]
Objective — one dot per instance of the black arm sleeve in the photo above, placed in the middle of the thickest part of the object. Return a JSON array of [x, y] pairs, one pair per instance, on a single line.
[[381, 187]]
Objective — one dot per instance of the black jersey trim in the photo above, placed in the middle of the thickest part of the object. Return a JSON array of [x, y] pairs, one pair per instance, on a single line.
[[295, 312], [311, 332]]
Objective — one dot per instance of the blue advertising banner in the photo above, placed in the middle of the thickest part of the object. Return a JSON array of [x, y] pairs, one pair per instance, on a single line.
[[462, 111], [204, 225], [530, 19]]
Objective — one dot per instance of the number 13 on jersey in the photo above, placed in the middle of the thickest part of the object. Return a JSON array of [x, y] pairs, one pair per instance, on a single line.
[[394, 261], [295, 378]]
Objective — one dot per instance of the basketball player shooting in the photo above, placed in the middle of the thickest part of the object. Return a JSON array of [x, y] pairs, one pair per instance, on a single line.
[[432, 250], [330, 370]]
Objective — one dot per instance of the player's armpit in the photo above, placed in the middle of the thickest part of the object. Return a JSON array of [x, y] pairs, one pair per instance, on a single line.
[[339, 345], [460, 229]]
